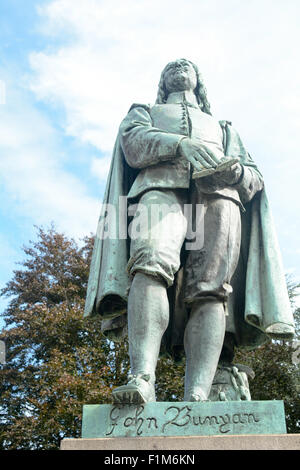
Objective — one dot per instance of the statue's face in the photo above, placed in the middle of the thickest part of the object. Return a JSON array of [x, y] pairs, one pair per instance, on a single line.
[[180, 76]]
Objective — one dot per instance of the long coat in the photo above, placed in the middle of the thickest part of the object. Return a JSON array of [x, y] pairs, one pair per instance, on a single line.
[[259, 299]]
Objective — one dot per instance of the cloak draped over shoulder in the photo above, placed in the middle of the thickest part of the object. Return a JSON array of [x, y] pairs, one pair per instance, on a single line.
[[259, 302]]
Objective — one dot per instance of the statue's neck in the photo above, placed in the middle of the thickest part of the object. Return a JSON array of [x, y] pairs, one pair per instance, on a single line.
[[187, 96]]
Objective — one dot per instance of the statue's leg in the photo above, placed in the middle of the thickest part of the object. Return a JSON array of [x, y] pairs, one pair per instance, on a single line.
[[153, 262], [148, 316], [208, 276], [203, 340]]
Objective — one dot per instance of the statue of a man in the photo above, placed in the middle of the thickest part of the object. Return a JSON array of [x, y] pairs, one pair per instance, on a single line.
[[176, 155]]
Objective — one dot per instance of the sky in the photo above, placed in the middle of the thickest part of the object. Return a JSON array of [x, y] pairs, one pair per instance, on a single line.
[[70, 70]]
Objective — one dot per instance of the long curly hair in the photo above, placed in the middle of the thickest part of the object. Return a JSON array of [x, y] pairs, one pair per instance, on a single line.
[[200, 90]]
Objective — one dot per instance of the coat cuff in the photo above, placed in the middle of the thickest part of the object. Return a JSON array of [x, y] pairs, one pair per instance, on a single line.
[[248, 184]]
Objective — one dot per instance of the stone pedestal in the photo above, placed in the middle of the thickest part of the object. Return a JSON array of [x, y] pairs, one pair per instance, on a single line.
[[232, 425], [185, 444]]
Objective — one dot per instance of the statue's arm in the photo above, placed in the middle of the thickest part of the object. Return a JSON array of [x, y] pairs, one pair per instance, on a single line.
[[250, 182], [142, 143]]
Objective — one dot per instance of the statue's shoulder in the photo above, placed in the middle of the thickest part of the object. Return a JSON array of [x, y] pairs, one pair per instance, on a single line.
[[147, 107]]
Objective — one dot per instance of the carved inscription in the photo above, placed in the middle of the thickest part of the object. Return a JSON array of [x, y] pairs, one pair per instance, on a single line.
[[174, 416]]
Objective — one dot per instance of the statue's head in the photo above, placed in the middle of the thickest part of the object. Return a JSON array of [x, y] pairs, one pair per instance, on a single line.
[[172, 80]]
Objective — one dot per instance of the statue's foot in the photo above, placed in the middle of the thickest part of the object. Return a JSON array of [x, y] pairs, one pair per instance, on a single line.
[[138, 390]]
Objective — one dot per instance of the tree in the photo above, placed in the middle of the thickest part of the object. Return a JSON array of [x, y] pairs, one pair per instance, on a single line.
[[56, 361], [277, 369]]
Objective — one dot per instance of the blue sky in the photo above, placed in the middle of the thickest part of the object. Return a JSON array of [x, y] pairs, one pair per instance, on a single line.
[[71, 70]]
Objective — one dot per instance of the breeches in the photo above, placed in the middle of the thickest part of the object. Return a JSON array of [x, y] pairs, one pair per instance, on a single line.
[[200, 231]]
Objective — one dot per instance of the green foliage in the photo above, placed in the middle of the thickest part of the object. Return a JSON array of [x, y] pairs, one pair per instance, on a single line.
[[277, 369], [56, 360], [276, 378], [170, 380]]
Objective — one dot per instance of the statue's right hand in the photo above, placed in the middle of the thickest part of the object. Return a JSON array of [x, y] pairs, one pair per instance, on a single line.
[[197, 154]]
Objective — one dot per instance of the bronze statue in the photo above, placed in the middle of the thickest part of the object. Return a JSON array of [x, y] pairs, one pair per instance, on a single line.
[[228, 290]]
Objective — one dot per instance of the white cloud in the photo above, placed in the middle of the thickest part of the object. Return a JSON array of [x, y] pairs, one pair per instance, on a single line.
[[32, 168], [100, 167], [111, 54], [114, 57]]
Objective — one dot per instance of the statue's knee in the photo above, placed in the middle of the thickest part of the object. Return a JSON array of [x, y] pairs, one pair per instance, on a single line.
[[206, 306], [150, 277]]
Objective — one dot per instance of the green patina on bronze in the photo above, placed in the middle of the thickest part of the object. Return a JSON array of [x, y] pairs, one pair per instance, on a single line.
[[183, 419]]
